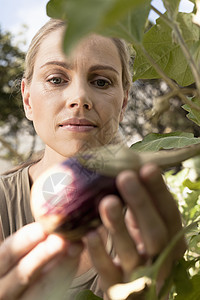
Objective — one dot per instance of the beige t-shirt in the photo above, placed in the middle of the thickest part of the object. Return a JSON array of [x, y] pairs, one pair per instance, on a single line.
[[15, 212]]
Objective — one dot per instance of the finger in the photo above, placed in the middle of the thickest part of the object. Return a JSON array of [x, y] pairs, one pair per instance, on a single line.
[[109, 273], [163, 199], [28, 268], [18, 245], [150, 223], [112, 216], [134, 232], [56, 277]]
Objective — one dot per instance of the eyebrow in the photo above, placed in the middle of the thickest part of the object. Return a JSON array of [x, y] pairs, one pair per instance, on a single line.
[[69, 66], [102, 67], [57, 63]]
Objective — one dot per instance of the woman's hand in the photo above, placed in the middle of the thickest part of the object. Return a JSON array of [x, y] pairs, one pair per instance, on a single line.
[[36, 266], [151, 220]]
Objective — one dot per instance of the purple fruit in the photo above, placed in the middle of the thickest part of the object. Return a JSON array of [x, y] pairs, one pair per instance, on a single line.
[[70, 198]]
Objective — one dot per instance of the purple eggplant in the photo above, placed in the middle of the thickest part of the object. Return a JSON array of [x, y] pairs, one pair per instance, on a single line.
[[69, 196]]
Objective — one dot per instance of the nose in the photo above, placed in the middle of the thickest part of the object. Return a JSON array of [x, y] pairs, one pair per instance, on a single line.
[[78, 103], [80, 97]]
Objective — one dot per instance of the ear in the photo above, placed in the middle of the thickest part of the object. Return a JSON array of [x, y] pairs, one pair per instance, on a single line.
[[26, 100], [124, 105]]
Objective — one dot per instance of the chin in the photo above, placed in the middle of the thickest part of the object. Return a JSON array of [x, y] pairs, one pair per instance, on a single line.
[[75, 147]]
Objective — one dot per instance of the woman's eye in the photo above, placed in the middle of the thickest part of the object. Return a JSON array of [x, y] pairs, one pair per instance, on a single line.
[[101, 83], [56, 80]]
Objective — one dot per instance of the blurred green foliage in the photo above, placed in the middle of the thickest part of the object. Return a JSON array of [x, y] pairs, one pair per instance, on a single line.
[[11, 71]]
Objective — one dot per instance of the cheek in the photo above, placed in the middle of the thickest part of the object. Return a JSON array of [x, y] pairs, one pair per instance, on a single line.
[[42, 112], [111, 108], [110, 113], [43, 104]]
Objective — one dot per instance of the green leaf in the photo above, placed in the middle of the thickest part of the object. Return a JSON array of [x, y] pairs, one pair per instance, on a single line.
[[194, 294], [57, 9], [195, 50], [131, 27], [194, 244], [181, 278], [192, 185], [158, 42], [156, 141], [194, 115], [120, 8], [82, 17], [87, 295], [89, 16]]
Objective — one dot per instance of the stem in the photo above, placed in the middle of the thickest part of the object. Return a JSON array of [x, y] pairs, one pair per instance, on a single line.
[[170, 22]]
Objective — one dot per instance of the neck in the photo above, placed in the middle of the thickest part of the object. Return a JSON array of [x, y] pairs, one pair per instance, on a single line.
[[49, 159]]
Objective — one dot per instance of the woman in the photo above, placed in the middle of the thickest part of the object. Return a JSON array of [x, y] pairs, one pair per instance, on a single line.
[[77, 102]]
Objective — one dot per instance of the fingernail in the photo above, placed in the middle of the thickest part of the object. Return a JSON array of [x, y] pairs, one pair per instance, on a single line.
[[150, 172], [115, 211], [74, 249], [129, 185]]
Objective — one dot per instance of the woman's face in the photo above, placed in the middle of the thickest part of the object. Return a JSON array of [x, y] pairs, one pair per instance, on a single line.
[[75, 102]]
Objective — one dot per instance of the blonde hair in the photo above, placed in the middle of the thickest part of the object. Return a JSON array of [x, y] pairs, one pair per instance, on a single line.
[[43, 32], [54, 24]]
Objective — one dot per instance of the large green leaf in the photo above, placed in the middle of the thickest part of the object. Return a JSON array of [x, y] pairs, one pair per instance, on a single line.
[[120, 8], [168, 55], [131, 27], [89, 16], [156, 141], [82, 16]]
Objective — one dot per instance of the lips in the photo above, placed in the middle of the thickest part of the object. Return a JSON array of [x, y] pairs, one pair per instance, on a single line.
[[76, 124]]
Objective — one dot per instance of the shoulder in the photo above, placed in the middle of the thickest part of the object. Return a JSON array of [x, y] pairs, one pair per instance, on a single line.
[[13, 176], [9, 183], [15, 209]]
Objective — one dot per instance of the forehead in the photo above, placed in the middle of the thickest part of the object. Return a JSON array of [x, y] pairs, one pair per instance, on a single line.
[[91, 50]]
